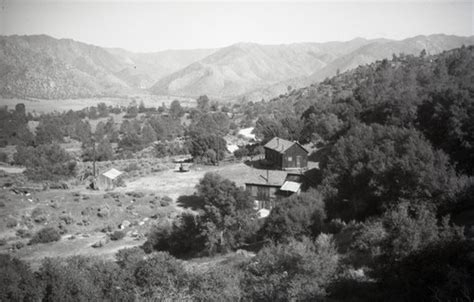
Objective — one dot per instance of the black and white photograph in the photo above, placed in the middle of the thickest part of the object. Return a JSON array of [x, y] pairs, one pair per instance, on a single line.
[[237, 150]]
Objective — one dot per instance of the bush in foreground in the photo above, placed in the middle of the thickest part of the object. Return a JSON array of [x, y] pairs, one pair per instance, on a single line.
[[297, 271], [46, 235], [117, 235], [295, 217], [17, 281]]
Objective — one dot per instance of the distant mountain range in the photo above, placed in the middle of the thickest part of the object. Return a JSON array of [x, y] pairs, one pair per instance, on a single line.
[[45, 67]]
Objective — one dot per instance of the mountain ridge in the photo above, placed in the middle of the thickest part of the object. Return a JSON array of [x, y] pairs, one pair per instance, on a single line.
[[41, 66], [208, 75]]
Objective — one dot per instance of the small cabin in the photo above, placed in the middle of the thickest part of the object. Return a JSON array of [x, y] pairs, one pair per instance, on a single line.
[[283, 154], [108, 180]]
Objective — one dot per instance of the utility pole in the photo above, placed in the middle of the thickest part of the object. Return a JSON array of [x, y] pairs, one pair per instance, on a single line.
[[93, 155]]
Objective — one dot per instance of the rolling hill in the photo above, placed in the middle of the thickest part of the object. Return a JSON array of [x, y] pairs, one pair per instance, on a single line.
[[379, 50], [253, 71], [44, 67], [243, 67], [144, 69]]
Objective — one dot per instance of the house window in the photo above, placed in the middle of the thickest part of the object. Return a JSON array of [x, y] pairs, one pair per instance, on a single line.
[[290, 158]]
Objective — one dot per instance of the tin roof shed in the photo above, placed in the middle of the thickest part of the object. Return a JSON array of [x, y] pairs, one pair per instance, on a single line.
[[112, 173]]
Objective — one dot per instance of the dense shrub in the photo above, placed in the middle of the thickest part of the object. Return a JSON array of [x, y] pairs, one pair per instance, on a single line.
[[3, 157], [11, 222], [402, 231], [454, 109], [46, 162], [17, 281], [165, 201], [207, 148], [161, 276], [66, 219], [182, 238], [117, 235], [439, 272], [169, 148], [128, 258], [374, 167], [228, 211], [411, 228], [45, 235], [298, 270], [295, 217], [241, 152], [23, 233], [102, 151], [39, 215], [218, 283], [81, 278]]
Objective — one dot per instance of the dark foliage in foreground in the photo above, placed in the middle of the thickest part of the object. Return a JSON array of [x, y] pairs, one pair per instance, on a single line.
[[374, 167], [17, 281], [296, 217], [45, 235], [226, 221]]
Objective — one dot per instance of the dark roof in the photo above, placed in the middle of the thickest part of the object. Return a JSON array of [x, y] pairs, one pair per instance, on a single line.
[[281, 145]]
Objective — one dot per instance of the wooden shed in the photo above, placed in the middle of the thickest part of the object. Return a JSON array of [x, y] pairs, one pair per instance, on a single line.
[[109, 179], [283, 154]]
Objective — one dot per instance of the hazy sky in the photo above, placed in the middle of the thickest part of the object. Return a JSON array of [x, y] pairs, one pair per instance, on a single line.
[[158, 25]]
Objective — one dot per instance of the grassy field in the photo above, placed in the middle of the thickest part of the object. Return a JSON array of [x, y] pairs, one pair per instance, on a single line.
[[46, 106], [87, 216], [174, 184]]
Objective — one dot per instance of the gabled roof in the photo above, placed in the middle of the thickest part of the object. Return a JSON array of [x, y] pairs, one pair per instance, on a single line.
[[281, 145], [112, 173]]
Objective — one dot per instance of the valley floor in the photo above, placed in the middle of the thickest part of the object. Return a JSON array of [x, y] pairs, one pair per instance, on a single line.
[[87, 216]]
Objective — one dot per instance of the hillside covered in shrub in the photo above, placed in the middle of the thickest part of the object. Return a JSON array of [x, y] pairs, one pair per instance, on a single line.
[[395, 145]]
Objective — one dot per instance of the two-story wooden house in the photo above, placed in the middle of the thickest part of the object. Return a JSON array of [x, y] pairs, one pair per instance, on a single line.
[[283, 154]]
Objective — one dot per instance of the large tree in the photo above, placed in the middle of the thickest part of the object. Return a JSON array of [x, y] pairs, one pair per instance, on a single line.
[[372, 167], [293, 271], [447, 120], [228, 211], [295, 217], [46, 162], [207, 148], [176, 111]]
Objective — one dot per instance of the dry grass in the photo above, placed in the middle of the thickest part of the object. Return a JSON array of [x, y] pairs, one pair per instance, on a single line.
[[174, 184], [46, 106], [85, 215]]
